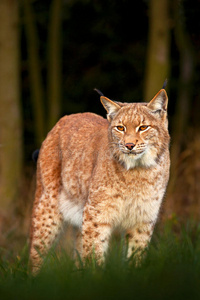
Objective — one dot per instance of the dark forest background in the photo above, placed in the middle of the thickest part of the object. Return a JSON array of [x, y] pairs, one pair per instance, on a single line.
[[53, 54]]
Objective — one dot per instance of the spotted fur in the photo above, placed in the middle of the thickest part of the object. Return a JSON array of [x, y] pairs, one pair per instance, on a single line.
[[100, 174]]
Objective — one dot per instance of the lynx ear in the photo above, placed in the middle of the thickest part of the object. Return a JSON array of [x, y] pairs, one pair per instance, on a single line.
[[111, 107], [159, 102]]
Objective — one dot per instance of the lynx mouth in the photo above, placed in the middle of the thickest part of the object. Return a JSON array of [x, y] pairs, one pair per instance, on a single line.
[[134, 152]]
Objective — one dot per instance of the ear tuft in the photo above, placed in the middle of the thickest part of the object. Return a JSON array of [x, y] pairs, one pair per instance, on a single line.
[[159, 102], [111, 107], [165, 84]]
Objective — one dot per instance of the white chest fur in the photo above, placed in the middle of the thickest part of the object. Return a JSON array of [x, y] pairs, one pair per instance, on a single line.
[[72, 211]]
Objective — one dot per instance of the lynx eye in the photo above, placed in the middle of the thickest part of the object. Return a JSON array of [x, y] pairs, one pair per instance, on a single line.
[[143, 127], [120, 128]]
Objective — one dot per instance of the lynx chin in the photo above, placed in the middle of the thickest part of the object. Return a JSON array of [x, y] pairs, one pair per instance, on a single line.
[[100, 174]]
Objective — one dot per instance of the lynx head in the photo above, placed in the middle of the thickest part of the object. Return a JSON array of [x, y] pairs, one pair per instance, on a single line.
[[138, 132]]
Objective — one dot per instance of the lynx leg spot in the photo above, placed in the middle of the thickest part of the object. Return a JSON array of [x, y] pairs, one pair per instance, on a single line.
[[129, 235], [96, 234]]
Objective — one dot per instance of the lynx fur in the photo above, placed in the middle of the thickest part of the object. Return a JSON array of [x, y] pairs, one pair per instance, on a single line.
[[100, 174]]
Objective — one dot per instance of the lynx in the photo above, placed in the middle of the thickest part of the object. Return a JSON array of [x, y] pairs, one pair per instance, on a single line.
[[100, 174]]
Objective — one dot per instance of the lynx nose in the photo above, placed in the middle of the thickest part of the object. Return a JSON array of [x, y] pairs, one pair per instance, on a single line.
[[130, 146]]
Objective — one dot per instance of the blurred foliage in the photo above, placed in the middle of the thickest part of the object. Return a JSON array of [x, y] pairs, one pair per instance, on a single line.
[[170, 270]]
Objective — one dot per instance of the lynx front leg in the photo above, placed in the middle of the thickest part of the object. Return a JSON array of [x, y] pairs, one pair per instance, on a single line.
[[138, 239], [95, 234], [45, 227]]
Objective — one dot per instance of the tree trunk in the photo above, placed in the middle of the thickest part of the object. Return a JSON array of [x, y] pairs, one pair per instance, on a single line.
[[157, 68], [37, 92], [185, 85], [10, 114], [54, 63], [181, 116]]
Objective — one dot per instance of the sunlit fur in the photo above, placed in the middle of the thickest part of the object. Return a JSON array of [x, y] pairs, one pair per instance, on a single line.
[[88, 176]]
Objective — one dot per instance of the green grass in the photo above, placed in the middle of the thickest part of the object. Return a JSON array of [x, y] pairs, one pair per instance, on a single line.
[[170, 270]]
